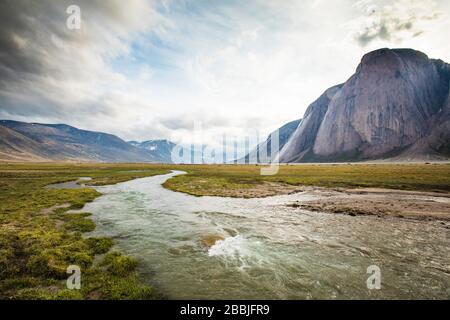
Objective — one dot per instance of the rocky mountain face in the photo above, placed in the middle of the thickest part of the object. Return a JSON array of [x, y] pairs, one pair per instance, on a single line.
[[161, 150], [396, 106], [21, 141], [263, 152]]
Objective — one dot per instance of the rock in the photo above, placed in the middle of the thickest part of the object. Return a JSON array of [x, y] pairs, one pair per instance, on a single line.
[[303, 139], [210, 240], [396, 105], [263, 152]]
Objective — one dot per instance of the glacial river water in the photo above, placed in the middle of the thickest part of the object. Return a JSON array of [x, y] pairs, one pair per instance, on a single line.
[[268, 250]]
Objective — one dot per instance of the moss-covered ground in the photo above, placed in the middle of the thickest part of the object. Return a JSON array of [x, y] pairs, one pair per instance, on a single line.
[[39, 238]]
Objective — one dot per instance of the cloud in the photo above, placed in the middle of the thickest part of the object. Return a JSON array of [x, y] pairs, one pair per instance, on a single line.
[[149, 69], [49, 71], [393, 21]]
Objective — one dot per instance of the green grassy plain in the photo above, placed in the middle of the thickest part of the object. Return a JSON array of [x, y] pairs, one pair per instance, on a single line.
[[39, 239], [214, 180]]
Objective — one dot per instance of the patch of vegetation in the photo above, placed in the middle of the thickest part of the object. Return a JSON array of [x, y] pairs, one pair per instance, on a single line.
[[237, 180], [78, 222], [100, 245], [119, 264], [39, 238]]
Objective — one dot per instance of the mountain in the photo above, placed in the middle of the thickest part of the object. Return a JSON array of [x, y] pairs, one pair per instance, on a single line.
[[21, 141], [159, 149], [396, 106], [263, 152]]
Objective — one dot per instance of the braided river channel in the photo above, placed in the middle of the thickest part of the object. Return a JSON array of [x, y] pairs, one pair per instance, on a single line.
[[225, 248]]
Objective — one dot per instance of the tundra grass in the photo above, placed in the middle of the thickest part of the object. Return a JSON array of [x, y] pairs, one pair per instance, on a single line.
[[39, 239], [213, 180]]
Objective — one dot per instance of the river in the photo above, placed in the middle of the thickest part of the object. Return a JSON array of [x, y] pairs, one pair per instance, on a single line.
[[224, 248]]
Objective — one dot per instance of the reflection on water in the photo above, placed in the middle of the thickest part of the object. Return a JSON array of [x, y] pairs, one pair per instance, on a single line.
[[223, 248]]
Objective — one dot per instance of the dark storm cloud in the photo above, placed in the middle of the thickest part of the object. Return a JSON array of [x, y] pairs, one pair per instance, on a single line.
[[25, 36], [47, 69]]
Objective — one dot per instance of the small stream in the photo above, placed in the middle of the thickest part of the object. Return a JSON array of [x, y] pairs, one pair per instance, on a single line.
[[225, 248], [74, 184]]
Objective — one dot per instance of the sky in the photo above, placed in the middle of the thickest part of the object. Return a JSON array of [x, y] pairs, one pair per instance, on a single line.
[[144, 69]]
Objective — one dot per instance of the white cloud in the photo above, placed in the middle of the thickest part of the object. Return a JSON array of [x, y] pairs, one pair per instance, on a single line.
[[148, 69]]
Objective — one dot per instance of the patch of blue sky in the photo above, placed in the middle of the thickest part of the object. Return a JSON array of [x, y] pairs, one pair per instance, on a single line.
[[148, 52]]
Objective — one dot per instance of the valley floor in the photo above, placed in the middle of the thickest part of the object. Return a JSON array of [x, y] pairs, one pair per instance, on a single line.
[[415, 191], [39, 237], [382, 203]]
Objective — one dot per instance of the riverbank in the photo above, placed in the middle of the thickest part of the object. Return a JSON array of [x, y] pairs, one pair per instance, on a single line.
[[415, 191], [383, 203], [39, 238], [245, 181]]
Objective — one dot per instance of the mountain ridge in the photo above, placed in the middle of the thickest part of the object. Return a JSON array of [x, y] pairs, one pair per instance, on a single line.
[[395, 106], [262, 153], [21, 141]]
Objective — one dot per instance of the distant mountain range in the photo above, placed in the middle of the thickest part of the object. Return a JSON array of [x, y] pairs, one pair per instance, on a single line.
[[36, 142], [21, 141], [159, 149], [396, 106]]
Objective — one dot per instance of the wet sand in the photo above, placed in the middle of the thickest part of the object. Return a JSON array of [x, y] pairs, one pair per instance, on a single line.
[[379, 202], [382, 203]]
